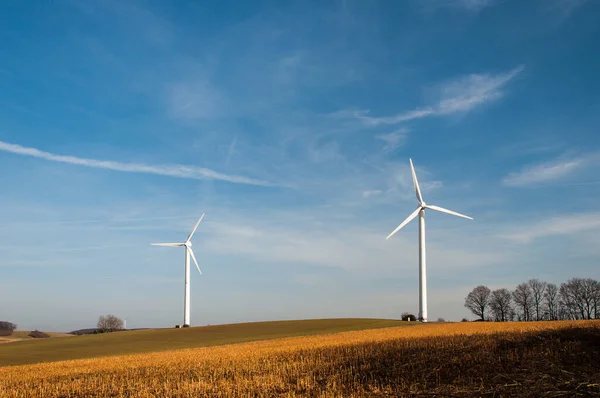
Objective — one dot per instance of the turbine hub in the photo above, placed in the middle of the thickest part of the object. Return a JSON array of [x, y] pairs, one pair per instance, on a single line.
[[188, 244], [423, 205]]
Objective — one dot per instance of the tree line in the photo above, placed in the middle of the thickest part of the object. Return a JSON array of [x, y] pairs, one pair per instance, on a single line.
[[535, 300]]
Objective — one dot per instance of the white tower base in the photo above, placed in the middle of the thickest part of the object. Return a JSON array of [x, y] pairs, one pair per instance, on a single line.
[[186, 298], [422, 269]]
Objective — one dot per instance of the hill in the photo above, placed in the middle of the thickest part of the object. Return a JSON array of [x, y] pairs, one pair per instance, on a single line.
[[470, 359], [23, 335], [132, 342]]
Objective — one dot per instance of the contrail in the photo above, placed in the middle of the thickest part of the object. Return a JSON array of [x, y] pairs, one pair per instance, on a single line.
[[179, 171]]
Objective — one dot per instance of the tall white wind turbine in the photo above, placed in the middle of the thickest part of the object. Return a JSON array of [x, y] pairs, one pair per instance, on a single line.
[[422, 258], [188, 253]]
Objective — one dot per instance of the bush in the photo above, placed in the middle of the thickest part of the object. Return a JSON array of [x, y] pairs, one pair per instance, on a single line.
[[406, 316], [36, 334]]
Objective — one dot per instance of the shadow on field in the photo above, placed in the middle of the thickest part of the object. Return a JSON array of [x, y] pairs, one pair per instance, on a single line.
[[560, 363]]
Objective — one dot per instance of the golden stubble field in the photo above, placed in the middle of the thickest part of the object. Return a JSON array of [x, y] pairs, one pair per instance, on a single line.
[[455, 359]]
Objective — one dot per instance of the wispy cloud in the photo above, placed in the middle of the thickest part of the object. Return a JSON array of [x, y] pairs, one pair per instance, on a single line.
[[475, 4], [231, 150], [400, 182], [194, 100], [394, 139], [537, 146], [556, 226], [399, 118], [459, 95], [373, 192], [325, 241], [178, 171], [120, 220], [544, 172], [473, 90], [563, 9], [471, 5], [328, 152]]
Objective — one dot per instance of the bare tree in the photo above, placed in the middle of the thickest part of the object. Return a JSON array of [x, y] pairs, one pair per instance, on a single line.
[[551, 301], [523, 297], [501, 305], [591, 297], [7, 328], [478, 301], [564, 312], [537, 289], [580, 297], [109, 323], [597, 300], [567, 302]]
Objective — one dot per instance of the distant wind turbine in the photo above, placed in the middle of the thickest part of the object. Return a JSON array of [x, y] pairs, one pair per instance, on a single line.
[[188, 253], [422, 258]]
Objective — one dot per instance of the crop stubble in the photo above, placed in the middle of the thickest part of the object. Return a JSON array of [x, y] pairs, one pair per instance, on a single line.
[[454, 359]]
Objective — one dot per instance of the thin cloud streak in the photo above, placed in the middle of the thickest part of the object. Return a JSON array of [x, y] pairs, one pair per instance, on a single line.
[[178, 171], [231, 150], [473, 90], [394, 139], [123, 220], [470, 5], [399, 118], [460, 95], [544, 172], [557, 226], [474, 4]]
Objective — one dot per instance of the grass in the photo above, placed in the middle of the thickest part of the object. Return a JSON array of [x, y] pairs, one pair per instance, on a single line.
[[529, 359], [23, 335], [133, 342]]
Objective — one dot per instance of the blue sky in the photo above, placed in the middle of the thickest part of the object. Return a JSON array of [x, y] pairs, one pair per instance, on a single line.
[[290, 124]]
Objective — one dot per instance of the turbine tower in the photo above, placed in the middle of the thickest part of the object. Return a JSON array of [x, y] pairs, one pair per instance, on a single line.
[[422, 257], [188, 253]]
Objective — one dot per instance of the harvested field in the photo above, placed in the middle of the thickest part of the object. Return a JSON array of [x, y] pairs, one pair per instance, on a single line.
[[154, 340], [462, 359]]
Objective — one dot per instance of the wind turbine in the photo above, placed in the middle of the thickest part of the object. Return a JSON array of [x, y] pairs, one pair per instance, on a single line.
[[188, 253], [422, 258]]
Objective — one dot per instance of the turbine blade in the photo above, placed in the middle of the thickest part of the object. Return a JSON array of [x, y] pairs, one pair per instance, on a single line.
[[194, 258], [167, 244], [195, 227], [416, 182], [408, 219], [442, 210]]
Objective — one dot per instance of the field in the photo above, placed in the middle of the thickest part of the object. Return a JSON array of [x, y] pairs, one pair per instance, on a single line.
[[462, 359], [133, 342], [23, 335]]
